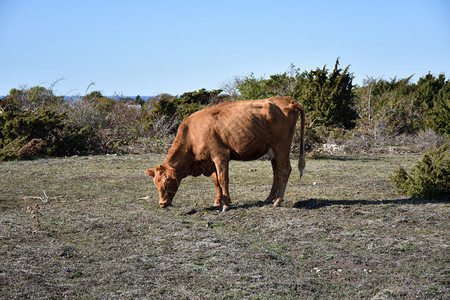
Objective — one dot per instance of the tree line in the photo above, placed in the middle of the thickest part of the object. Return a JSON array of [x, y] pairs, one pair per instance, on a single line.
[[34, 122]]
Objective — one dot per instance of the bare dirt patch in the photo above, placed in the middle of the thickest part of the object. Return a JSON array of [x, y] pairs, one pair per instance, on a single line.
[[342, 232]]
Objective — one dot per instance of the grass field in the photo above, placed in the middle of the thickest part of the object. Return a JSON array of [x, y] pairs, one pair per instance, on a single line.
[[342, 233]]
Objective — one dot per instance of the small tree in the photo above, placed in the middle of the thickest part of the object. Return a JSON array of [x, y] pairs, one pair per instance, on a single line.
[[230, 88], [284, 84], [329, 95], [438, 118], [33, 98], [388, 107], [159, 116], [138, 100], [163, 105], [190, 102], [433, 99], [251, 88], [201, 97]]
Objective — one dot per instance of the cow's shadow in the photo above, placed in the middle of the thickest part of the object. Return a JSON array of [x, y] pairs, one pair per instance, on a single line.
[[319, 203]]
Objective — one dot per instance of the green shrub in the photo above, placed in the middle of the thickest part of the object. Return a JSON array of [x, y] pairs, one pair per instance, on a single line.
[[429, 178], [74, 141], [26, 134], [42, 133]]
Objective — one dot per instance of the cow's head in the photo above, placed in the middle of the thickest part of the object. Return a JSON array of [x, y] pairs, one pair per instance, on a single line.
[[166, 181]]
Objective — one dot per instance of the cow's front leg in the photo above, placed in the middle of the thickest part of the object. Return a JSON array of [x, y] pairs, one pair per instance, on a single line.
[[222, 177], [218, 201]]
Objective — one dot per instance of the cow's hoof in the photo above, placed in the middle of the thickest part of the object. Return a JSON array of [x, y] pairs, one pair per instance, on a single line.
[[277, 203], [225, 208]]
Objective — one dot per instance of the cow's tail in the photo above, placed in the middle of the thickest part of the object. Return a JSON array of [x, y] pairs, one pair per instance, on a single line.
[[301, 159]]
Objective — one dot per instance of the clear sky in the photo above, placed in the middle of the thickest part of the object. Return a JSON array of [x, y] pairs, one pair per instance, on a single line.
[[168, 46]]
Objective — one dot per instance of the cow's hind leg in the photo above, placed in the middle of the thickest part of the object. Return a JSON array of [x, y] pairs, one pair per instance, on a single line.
[[218, 200], [284, 171], [276, 181]]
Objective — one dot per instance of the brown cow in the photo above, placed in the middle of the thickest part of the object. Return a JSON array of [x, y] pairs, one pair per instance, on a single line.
[[208, 139]]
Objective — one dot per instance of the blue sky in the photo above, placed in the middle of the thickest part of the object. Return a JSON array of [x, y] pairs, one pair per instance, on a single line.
[[150, 47]]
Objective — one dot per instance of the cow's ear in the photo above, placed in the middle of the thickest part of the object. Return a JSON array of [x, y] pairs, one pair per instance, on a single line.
[[150, 172]]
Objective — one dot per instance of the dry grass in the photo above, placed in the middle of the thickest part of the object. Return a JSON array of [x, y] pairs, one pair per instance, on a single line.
[[343, 232]]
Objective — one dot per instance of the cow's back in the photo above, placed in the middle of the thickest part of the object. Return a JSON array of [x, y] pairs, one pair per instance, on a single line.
[[246, 128]]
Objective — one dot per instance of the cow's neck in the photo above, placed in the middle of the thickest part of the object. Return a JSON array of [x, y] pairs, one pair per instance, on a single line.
[[180, 159]]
